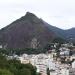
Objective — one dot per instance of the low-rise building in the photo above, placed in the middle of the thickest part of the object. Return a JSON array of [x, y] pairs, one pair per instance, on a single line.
[[72, 71], [73, 64]]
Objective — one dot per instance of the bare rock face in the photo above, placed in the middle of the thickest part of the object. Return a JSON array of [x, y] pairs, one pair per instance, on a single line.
[[35, 43], [27, 32]]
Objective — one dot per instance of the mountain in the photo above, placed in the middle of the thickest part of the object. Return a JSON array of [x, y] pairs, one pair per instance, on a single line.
[[70, 34], [29, 31]]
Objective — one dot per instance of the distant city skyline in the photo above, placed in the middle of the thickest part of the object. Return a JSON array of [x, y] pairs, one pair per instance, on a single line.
[[59, 13]]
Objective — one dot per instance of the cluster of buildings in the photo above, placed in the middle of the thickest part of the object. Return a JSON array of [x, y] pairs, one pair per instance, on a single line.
[[62, 65]]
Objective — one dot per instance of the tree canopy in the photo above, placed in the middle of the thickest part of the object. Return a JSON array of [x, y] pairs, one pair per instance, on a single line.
[[14, 67]]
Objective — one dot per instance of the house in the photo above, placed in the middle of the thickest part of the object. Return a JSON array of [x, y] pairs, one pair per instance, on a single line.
[[24, 61], [64, 71], [67, 45], [64, 51], [53, 72], [73, 64], [72, 71], [1, 46], [41, 63]]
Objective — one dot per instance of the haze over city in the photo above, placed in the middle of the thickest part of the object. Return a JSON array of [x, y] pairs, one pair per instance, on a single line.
[[59, 13]]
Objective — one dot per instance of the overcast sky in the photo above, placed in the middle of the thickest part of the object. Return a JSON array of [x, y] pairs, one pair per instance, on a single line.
[[59, 13]]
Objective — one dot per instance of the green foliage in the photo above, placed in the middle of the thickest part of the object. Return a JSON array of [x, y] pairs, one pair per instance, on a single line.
[[59, 40], [3, 61], [14, 67], [21, 51], [24, 71], [49, 46], [5, 72], [57, 49], [48, 72]]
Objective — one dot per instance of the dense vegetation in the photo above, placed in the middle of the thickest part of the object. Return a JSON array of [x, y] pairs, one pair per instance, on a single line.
[[14, 67], [59, 40], [22, 51], [19, 51]]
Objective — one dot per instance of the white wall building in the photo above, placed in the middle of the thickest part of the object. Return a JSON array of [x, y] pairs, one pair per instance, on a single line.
[[73, 64], [44, 61], [53, 73], [1, 46], [64, 71]]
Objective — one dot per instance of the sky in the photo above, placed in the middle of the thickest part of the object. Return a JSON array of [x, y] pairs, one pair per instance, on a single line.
[[59, 13]]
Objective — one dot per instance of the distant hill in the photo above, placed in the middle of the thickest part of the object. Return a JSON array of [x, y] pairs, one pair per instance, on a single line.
[[70, 34], [31, 32]]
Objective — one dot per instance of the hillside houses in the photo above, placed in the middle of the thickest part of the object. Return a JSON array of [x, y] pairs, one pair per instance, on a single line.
[[44, 61]]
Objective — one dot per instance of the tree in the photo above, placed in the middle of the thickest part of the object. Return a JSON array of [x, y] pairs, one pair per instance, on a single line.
[[31, 68], [48, 72], [14, 67], [57, 49], [5, 72], [24, 71], [59, 40], [3, 61]]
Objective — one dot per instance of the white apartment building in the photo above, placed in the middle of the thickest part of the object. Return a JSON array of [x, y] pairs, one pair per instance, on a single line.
[[41, 63], [64, 71], [73, 64], [53, 73], [44, 61]]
